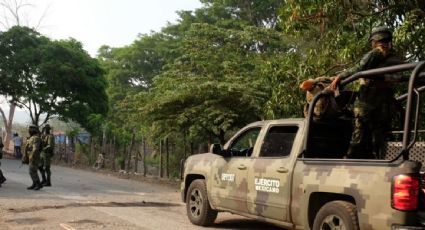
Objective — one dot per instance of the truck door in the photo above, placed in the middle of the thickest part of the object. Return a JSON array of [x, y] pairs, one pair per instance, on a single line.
[[229, 187], [269, 176]]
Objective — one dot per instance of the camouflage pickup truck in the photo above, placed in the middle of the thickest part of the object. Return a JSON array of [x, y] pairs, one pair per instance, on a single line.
[[292, 172]]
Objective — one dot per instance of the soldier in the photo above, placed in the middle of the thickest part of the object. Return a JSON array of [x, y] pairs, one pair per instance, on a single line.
[[372, 108], [48, 143], [32, 156], [2, 178], [326, 107]]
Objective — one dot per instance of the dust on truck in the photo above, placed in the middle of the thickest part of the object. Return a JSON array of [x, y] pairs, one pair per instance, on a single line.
[[292, 172]]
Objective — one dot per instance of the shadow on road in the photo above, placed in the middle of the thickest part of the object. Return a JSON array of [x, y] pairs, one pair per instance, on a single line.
[[35, 220], [108, 204], [247, 224]]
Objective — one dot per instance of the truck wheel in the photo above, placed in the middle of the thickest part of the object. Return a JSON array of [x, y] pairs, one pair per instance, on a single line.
[[339, 215], [198, 207]]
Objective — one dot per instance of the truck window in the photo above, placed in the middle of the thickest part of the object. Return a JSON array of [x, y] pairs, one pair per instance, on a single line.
[[244, 144], [278, 141]]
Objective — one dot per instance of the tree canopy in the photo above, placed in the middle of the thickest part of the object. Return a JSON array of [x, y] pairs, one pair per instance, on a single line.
[[198, 80], [50, 77], [219, 67], [229, 63]]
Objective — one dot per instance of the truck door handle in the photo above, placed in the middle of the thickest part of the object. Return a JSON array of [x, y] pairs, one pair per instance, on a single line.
[[242, 167], [282, 170]]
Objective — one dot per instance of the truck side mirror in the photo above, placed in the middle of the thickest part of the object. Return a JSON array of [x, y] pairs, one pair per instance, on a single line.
[[216, 149]]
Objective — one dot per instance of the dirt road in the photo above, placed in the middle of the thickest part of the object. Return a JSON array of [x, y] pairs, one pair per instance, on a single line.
[[88, 200]]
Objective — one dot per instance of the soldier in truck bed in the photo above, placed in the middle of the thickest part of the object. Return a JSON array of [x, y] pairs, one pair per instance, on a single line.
[[373, 106]]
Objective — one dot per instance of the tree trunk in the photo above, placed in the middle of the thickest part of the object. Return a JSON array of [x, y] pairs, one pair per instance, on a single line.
[[167, 154], [130, 150], [108, 154], [92, 153], [71, 148], [160, 158], [144, 157], [114, 155], [122, 162], [222, 137], [8, 125], [104, 141], [191, 148], [185, 144], [64, 149], [136, 159]]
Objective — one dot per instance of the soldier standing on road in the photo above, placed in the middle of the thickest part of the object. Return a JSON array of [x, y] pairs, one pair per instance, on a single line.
[[48, 143], [32, 156], [372, 108], [2, 178]]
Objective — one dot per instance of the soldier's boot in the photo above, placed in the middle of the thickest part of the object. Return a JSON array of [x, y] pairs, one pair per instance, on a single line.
[[2, 178], [47, 184], [48, 173], [353, 152], [32, 186], [38, 185]]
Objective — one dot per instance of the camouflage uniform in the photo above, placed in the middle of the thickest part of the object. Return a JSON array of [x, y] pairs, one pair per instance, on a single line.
[[48, 143], [373, 107], [32, 156], [326, 106]]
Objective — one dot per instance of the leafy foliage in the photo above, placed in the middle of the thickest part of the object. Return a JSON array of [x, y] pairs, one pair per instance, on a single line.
[[217, 84], [51, 77], [335, 34], [236, 61]]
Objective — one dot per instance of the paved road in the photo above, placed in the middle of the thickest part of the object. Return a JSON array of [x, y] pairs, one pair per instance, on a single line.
[[88, 200]]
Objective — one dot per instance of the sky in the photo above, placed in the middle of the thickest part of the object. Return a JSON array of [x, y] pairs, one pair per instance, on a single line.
[[103, 22]]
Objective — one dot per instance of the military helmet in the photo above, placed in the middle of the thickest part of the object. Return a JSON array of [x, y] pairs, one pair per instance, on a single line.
[[33, 127], [381, 33]]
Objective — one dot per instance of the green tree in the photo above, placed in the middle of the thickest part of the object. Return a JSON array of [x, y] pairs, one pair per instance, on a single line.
[[225, 50], [14, 13], [71, 85], [17, 64], [130, 71], [235, 61], [51, 77], [216, 85], [262, 13], [334, 34]]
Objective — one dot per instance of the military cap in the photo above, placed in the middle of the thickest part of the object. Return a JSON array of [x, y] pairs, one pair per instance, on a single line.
[[381, 33]]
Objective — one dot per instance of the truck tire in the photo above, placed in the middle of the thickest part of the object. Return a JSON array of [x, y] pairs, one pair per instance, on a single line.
[[198, 206], [337, 215]]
